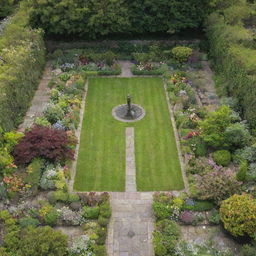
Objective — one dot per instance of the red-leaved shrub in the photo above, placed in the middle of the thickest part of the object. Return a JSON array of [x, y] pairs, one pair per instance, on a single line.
[[187, 217], [45, 142]]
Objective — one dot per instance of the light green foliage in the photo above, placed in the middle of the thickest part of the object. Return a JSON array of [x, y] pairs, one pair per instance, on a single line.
[[214, 217], [59, 196], [7, 142], [165, 237], [100, 250], [23, 57], [91, 212], [10, 139], [249, 250], [42, 241], [233, 55], [53, 113], [222, 157], [243, 168], [181, 53], [73, 197], [238, 213], [214, 126], [42, 121], [49, 214], [34, 172], [5, 160]]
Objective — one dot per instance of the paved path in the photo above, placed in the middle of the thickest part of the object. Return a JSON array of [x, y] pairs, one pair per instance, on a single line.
[[131, 226], [130, 169], [39, 101], [132, 223], [126, 68]]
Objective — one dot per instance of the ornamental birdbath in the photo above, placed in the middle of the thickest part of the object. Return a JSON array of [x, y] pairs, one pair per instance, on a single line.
[[128, 112]]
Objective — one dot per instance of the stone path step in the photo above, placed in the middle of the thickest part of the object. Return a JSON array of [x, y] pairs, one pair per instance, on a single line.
[[130, 169], [131, 225], [126, 68], [40, 100]]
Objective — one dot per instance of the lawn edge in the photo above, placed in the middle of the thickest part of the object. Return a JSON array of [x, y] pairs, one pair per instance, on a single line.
[[177, 140], [78, 135]]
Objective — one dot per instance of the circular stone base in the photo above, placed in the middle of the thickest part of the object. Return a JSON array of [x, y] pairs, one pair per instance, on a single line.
[[120, 113]]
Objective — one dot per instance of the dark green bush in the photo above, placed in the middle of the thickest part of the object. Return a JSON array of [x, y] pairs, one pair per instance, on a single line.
[[6, 7], [105, 210], [91, 212], [161, 210], [51, 218], [100, 250], [249, 250], [199, 206], [222, 157], [165, 237], [103, 221], [102, 235], [28, 222], [58, 196], [214, 217], [121, 16], [73, 197], [109, 72]]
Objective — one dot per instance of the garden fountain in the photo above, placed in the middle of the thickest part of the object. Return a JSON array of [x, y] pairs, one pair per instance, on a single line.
[[128, 112]]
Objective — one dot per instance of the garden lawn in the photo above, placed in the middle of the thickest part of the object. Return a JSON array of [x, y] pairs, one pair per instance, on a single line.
[[101, 158]]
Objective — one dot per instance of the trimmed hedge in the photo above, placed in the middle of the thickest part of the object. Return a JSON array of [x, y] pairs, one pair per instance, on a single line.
[[93, 18], [235, 60], [23, 58]]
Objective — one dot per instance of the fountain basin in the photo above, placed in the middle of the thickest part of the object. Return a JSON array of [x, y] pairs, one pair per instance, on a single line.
[[120, 113]]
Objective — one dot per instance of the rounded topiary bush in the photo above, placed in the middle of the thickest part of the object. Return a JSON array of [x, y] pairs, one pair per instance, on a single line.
[[181, 53], [222, 157], [238, 214]]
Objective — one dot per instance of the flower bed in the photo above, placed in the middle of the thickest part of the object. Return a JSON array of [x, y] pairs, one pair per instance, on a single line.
[[219, 153], [37, 164], [149, 69], [89, 212], [171, 213], [102, 64]]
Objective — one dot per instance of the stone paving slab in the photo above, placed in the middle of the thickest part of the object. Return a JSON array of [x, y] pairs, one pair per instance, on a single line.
[[40, 100], [131, 226], [130, 169], [126, 68]]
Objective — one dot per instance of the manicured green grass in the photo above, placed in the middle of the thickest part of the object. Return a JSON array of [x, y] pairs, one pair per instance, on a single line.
[[101, 160]]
